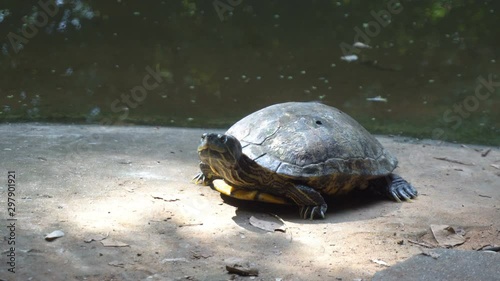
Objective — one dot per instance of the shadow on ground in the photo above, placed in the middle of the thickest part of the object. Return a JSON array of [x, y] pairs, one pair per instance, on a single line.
[[132, 186]]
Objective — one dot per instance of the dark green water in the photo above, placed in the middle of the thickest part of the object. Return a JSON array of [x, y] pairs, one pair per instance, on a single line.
[[435, 64]]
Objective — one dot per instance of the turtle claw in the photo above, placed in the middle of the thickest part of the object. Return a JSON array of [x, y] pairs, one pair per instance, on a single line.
[[311, 212], [395, 197], [200, 179], [399, 189]]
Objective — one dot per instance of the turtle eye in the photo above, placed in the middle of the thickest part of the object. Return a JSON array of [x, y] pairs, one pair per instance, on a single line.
[[222, 138]]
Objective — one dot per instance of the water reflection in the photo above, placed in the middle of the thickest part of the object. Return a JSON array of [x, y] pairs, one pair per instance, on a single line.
[[397, 67]]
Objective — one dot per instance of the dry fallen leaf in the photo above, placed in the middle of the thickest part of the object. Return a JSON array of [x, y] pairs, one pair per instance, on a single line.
[[241, 267], [164, 197], [174, 260], [54, 235], [201, 254], [116, 263], [95, 237], [381, 262], [113, 243], [431, 254], [268, 223], [447, 236]]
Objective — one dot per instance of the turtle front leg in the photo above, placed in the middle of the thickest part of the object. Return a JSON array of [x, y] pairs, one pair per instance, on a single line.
[[206, 176], [312, 204]]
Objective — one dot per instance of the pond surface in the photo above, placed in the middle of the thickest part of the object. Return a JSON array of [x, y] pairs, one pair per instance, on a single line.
[[428, 69]]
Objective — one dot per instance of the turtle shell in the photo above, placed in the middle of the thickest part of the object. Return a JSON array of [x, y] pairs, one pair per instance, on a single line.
[[311, 140]]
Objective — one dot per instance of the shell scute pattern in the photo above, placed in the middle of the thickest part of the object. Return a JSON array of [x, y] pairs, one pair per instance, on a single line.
[[312, 141]]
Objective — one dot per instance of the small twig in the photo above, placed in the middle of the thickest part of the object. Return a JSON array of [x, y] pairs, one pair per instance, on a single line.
[[484, 154], [190, 224], [421, 244], [490, 248], [481, 195], [453, 161]]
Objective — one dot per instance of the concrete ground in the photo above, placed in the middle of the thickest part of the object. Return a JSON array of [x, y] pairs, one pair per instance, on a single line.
[[123, 198]]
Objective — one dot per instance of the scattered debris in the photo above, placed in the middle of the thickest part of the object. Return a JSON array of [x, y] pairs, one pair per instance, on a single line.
[[113, 243], [380, 262], [174, 260], [454, 161], [191, 224], [268, 223], [421, 244], [349, 58], [201, 254], [95, 237], [431, 254], [162, 220], [131, 190], [31, 251], [117, 264], [495, 166], [241, 267], [125, 162], [447, 236], [377, 99], [54, 235], [482, 195], [485, 153], [490, 248], [164, 197]]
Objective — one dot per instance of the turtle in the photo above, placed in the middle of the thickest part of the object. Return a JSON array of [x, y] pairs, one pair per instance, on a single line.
[[295, 153]]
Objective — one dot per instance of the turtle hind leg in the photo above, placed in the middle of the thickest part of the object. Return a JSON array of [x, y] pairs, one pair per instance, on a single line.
[[247, 194], [394, 187]]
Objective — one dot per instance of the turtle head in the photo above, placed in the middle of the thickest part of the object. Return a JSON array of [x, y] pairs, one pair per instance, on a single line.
[[219, 150]]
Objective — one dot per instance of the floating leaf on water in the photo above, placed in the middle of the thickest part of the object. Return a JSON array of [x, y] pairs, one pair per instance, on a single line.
[[377, 98], [349, 58], [360, 45]]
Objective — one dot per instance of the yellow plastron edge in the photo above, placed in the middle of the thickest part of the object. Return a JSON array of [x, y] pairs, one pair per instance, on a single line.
[[245, 194]]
